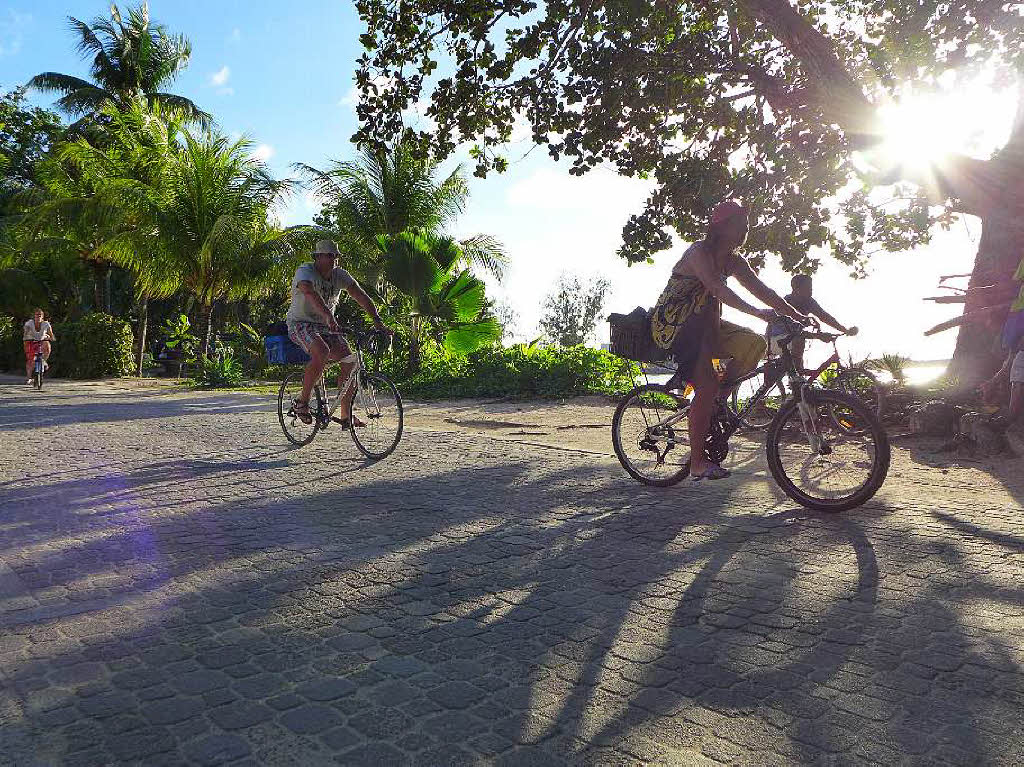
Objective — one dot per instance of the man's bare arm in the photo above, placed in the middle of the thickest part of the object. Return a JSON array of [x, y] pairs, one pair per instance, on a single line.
[[746, 277], [360, 297], [827, 318]]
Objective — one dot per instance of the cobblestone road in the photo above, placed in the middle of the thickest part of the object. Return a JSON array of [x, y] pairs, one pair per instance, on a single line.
[[176, 586]]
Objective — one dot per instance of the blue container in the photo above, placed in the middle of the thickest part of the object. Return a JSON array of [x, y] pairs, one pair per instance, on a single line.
[[281, 350]]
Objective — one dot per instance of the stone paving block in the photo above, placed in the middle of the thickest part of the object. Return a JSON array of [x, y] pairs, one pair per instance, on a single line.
[[218, 749], [240, 715], [311, 719]]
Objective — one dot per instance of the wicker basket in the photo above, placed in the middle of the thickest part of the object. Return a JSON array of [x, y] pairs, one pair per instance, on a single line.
[[631, 336]]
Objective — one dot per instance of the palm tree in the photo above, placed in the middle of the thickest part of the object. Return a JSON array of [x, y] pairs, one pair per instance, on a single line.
[[128, 172], [446, 302], [393, 191], [214, 224], [132, 59]]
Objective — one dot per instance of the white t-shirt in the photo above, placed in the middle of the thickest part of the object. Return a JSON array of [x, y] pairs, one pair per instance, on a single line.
[[31, 334], [301, 309]]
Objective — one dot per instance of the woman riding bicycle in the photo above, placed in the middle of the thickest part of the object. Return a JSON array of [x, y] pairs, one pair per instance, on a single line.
[[37, 333], [687, 323]]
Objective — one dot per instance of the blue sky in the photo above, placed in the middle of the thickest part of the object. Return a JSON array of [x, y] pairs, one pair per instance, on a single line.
[[283, 74]]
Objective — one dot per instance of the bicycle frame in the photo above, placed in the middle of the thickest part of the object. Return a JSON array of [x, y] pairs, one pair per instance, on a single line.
[[774, 372], [353, 377]]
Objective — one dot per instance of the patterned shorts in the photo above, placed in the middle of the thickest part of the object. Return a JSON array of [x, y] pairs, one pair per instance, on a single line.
[[305, 334]]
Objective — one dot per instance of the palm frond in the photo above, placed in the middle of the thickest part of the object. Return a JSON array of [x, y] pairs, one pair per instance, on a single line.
[[468, 337], [184, 106], [487, 253]]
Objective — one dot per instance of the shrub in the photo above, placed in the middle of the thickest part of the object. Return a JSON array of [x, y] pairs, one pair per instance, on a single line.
[[12, 352], [96, 346], [221, 371], [517, 371]]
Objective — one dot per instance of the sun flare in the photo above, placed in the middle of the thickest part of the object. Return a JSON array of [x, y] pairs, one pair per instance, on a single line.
[[919, 129]]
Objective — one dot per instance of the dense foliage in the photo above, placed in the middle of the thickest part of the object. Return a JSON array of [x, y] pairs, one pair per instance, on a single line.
[[517, 371]]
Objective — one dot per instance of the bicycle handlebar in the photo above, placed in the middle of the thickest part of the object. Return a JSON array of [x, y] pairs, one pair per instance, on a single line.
[[796, 329]]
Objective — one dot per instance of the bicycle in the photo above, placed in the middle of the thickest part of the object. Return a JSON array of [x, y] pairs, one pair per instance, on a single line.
[[818, 437], [38, 365], [854, 380], [374, 399]]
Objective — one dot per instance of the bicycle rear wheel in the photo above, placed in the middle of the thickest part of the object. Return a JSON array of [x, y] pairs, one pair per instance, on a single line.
[[378, 405], [864, 386], [840, 467], [297, 432], [650, 450]]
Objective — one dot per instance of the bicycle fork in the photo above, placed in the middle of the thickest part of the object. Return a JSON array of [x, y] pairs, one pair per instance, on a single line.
[[809, 422]]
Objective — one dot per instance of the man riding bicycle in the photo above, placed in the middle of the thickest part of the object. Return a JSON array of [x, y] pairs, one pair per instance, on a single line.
[[802, 300], [687, 322], [316, 291], [37, 333]]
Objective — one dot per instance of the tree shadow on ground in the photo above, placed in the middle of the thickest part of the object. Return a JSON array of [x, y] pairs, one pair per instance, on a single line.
[[501, 611], [27, 413]]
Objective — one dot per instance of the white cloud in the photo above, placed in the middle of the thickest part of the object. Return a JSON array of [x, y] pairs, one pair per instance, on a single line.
[[12, 29], [235, 37], [263, 152], [351, 98], [221, 76]]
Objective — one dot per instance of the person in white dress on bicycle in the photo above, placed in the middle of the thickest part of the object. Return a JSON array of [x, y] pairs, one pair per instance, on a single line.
[[316, 291], [37, 332]]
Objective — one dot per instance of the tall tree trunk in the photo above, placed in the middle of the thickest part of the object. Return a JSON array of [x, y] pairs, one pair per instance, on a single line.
[[1000, 251], [207, 330], [106, 289], [414, 346], [97, 287], [977, 354], [143, 325]]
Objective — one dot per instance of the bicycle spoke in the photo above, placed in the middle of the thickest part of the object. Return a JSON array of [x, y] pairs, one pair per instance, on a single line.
[[650, 436], [379, 407], [829, 454]]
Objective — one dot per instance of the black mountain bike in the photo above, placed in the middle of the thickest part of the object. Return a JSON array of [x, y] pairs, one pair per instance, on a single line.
[[826, 449], [373, 399]]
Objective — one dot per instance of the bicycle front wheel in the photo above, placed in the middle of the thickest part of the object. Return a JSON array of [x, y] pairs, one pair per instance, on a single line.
[[378, 405], [37, 378], [832, 455], [650, 434], [297, 432]]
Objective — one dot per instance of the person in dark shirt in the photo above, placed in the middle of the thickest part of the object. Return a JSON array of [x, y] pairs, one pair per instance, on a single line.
[[803, 301]]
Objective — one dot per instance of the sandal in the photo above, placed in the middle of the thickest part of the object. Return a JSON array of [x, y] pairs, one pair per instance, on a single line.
[[712, 472], [300, 409], [348, 423]]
